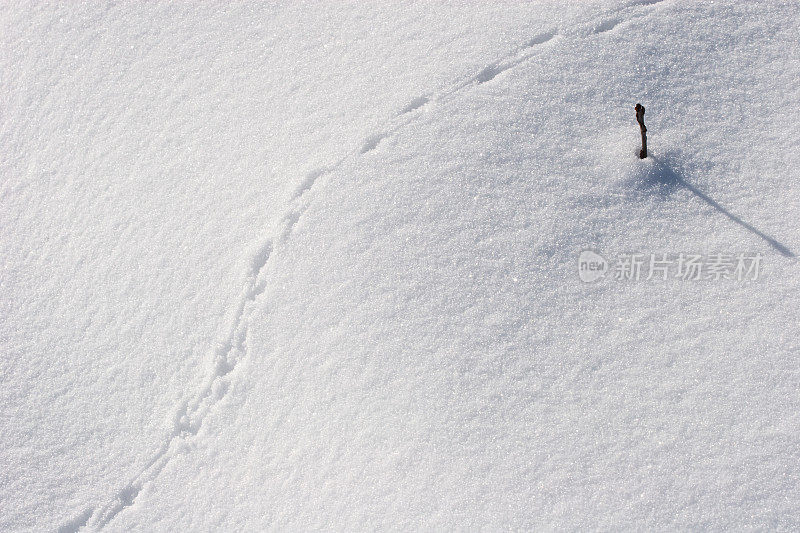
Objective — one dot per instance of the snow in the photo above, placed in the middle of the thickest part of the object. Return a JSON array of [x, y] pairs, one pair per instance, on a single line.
[[316, 266]]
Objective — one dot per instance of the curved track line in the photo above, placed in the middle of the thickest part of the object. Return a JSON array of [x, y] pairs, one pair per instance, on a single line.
[[232, 349]]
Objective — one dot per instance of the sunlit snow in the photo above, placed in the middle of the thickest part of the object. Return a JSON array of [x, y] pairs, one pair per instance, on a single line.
[[318, 266]]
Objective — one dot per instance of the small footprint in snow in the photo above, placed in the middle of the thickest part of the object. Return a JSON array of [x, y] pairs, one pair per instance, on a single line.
[[78, 522], [608, 25], [372, 142], [223, 367], [309, 179], [129, 494], [539, 39], [488, 73], [260, 258], [414, 104]]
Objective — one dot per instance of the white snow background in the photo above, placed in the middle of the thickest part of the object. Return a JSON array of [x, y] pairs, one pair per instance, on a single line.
[[313, 265]]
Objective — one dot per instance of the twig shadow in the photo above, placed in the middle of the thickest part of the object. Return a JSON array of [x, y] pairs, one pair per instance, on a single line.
[[666, 180]]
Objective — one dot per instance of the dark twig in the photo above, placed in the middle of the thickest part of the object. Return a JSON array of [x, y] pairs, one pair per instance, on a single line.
[[640, 119]]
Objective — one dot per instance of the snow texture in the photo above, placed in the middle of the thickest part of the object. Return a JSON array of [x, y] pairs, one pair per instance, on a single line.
[[315, 266]]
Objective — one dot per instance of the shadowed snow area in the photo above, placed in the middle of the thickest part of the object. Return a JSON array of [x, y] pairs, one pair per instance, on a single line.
[[315, 266]]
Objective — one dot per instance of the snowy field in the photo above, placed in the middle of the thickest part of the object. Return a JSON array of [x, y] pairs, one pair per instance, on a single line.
[[318, 265]]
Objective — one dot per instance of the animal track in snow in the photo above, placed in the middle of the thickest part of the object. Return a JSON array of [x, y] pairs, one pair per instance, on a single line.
[[539, 39], [607, 25], [372, 142], [489, 73], [189, 417], [414, 104], [309, 179], [257, 264], [74, 525], [492, 70]]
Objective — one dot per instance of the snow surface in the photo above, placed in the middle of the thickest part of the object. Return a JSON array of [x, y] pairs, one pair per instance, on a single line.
[[314, 265]]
